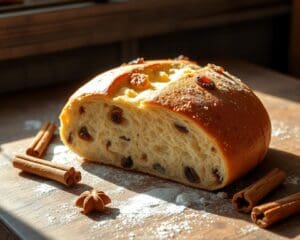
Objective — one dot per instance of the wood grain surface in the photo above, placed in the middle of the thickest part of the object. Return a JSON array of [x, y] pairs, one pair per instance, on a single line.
[[143, 207], [37, 31]]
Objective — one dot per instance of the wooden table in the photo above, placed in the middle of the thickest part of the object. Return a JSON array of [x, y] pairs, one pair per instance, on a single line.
[[143, 207]]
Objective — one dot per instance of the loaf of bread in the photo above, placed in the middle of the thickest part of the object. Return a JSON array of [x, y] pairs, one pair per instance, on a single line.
[[199, 126]]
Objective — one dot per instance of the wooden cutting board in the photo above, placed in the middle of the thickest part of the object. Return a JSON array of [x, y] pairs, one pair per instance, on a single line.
[[143, 207]]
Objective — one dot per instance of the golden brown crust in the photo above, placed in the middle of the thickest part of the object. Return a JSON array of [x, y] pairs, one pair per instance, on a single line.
[[107, 82], [230, 113]]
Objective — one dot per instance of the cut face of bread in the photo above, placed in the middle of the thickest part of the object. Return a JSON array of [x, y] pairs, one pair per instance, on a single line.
[[157, 118]]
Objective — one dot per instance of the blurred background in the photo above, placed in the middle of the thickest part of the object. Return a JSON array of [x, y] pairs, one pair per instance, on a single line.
[[50, 42]]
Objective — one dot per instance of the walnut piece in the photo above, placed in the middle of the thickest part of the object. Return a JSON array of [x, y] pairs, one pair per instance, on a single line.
[[92, 201], [139, 81]]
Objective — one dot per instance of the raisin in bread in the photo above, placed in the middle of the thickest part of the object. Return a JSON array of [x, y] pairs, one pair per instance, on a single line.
[[199, 126]]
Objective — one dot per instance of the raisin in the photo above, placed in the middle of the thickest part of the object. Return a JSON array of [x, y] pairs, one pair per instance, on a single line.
[[181, 128], [70, 138], [217, 175], [126, 162], [116, 115], [191, 175], [205, 82], [213, 149], [124, 138], [108, 144], [159, 168], [81, 110], [84, 134], [144, 157]]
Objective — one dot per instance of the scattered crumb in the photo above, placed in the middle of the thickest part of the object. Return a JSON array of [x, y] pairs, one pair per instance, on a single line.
[[51, 219], [116, 191], [169, 229], [292, 179], [68, 212], [248, 229], [282, 131], [4, 162], [208, 217], [184, 199], [203, 201], [222, 195], [68, 217], [131, 235]]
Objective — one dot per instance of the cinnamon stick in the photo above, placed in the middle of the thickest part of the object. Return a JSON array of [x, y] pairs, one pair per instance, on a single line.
[[247, 198], [267, 214], [43, 168], [77, 176], [41, 140]]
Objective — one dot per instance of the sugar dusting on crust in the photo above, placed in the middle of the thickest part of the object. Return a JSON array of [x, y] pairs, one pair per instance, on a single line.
[[226, 81]]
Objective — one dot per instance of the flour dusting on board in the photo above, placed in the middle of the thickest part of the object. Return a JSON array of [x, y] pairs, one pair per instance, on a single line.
[[179, 206], [60, 154], [292, 179], [138, 201], [169, 230], [4, 162], [44, 188], [158, 201], [283, 131], [248, 229], [32, 125]]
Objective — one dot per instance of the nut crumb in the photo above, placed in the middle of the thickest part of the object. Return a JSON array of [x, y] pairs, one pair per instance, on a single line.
[[139, 81]]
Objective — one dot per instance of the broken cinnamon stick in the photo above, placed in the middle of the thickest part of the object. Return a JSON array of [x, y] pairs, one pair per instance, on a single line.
[[41, 140], [43, 168], [267, 214], [247, 198]]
